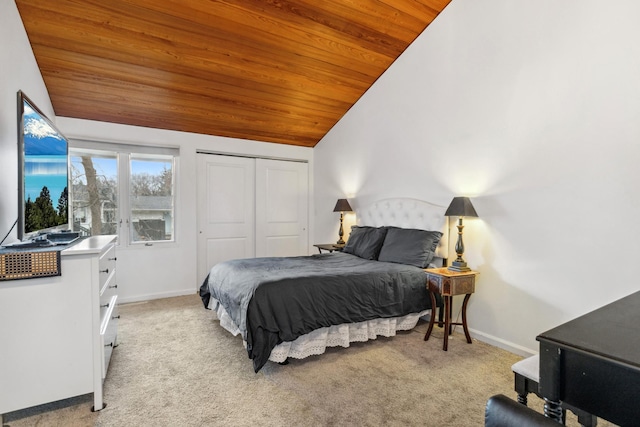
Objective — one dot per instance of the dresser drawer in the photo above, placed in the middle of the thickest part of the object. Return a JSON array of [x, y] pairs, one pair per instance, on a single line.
[[107, 268], [109, 332], [109, 289], [105, 309]]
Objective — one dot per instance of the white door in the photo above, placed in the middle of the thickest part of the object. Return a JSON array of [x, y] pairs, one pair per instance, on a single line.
[[282, 193], [226, 210]]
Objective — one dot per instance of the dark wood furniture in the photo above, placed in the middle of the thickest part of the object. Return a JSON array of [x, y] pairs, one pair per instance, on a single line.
[[448, 284], [593, 363], [328, 247], [527, 377]]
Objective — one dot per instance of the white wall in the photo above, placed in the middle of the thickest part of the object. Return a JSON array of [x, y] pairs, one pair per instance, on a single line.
[[18, 71], [532, 108], [165, 270]]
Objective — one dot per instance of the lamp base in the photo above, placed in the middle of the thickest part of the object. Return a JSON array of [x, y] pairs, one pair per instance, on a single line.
[[459, 266], [340, 242]]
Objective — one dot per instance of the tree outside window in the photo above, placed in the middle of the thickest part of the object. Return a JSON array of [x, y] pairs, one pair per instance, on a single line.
[[94, 185]]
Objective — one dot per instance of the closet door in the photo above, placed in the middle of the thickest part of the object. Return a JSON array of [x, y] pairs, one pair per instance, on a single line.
[[282, 193], [226, 210]]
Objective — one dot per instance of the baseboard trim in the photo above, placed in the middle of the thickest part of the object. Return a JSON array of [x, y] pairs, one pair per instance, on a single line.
[[503, 344], [148, 297]]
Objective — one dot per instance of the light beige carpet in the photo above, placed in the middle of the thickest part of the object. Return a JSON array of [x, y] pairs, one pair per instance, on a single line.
[[175, 366]]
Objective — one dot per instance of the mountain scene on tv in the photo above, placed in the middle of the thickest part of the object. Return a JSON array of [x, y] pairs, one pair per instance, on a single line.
[[45, 174]]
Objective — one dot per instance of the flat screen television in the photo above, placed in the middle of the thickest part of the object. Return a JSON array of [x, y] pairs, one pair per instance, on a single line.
[[43, 173]]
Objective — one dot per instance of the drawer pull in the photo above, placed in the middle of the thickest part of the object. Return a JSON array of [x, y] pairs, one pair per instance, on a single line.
[[113, 259], [114, 286], [116, 317], [109, 345], [106, 270], [104, 306]]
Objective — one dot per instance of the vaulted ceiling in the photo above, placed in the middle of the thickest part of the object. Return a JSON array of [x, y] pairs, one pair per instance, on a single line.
[[282, 71]]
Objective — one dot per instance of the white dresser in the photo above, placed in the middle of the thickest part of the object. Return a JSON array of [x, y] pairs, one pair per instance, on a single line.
[[57, 333]]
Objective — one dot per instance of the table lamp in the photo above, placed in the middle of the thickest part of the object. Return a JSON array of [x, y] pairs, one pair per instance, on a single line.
[[342, 206], [460, 207]]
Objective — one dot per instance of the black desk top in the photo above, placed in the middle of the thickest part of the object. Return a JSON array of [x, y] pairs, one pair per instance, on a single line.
[[612, 331]]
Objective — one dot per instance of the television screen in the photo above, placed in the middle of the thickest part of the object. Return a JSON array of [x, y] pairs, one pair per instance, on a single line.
[[43, 172]]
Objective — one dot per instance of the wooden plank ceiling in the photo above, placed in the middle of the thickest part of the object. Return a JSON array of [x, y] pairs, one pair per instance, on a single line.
[[274, 70]]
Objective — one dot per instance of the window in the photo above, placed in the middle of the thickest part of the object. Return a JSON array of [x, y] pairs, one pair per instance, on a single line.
[[124, 190], [151, 198], [94, 192]]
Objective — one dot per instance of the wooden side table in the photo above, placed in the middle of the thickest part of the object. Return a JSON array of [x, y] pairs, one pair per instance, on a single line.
[[329, 247], [448, 284]]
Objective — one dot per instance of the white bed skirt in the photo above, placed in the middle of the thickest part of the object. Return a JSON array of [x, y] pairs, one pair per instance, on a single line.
[[316, 342]]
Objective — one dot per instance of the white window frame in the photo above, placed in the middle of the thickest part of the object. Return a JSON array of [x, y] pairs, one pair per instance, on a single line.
[[123, 154]]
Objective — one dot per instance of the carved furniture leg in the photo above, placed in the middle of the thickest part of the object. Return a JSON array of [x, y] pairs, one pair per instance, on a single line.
[[553, 410], [432, 317], [447, 322], [464, 317]]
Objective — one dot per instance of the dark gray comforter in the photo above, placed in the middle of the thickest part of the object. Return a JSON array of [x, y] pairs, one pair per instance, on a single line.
[[272, 300]]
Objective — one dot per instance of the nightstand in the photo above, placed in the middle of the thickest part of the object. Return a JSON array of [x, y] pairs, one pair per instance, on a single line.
[[329, 247], [448, 284]]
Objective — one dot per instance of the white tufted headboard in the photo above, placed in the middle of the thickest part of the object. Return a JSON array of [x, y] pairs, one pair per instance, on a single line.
[[408, 213]]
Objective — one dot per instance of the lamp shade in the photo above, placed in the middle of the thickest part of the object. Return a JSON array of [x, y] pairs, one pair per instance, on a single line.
[[461, 206], [342, 206]]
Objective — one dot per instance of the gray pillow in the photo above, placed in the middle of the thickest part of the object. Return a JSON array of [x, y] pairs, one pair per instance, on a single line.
[[409, 246], [365, 242]]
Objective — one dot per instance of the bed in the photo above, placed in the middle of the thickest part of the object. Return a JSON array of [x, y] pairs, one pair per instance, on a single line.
[[296, 307]]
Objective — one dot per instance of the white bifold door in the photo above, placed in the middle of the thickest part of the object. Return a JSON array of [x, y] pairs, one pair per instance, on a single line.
[[249, 208]]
